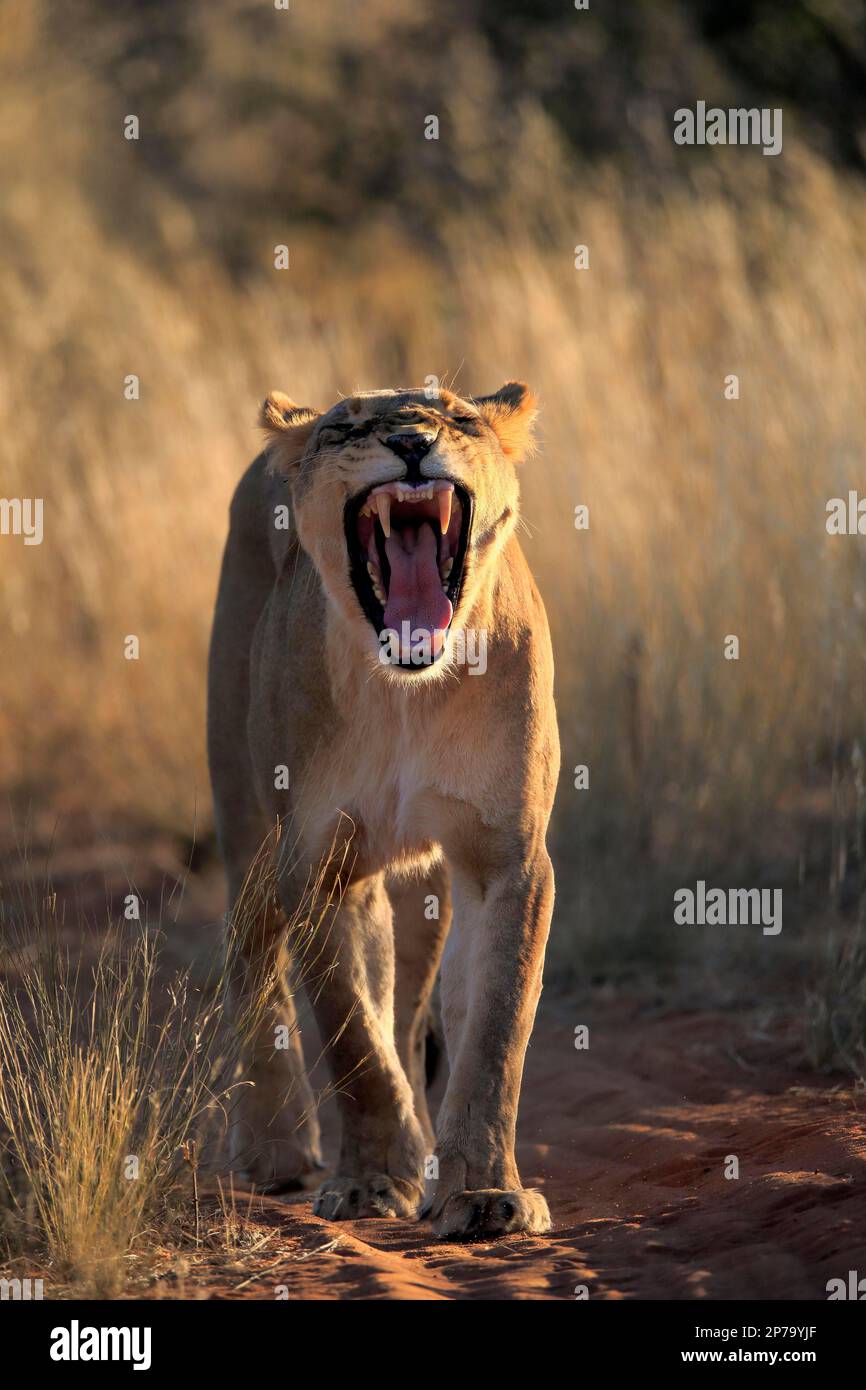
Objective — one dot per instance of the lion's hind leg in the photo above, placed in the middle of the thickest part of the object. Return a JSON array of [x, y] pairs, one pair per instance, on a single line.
[[274, 1136]]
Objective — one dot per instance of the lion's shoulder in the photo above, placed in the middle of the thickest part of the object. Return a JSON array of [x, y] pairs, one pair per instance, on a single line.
[[261, 510]]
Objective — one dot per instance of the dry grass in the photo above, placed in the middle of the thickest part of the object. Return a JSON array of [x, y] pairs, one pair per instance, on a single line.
[[97, 1098], [118, 1076], [707, 515]]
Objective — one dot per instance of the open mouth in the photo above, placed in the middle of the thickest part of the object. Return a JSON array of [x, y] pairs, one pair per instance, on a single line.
[[407, 552]]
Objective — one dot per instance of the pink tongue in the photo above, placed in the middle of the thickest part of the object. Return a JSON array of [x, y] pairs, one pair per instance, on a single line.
[[415, 593]]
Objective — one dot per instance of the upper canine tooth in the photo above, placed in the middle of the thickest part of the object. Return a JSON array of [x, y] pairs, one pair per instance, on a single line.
[[383, 500], [444, 510]]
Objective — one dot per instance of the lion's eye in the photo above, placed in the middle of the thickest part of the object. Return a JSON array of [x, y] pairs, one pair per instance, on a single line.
[[334, 432], [470, 423]]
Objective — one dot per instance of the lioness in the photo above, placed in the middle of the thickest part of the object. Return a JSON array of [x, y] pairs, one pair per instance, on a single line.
[[418, 777]]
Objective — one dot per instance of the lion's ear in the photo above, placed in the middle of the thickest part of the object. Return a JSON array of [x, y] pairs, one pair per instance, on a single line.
[[511, 414], [287, 428]]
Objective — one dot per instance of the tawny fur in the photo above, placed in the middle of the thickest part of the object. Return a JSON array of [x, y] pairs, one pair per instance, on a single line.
[[434, 783]]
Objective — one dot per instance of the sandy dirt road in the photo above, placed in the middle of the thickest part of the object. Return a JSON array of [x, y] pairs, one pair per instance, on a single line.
[[628, 1140]]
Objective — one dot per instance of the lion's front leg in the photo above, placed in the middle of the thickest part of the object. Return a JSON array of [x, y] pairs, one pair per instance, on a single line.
[[351, 989], [491, 982]]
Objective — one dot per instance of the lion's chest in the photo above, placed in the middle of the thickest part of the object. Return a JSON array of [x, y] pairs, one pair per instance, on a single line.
[[378, 776]]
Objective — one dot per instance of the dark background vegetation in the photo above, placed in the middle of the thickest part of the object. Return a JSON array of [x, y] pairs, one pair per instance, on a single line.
[[329, 115]]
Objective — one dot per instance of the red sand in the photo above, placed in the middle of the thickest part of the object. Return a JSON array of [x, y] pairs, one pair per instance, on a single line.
[[628, 1141]]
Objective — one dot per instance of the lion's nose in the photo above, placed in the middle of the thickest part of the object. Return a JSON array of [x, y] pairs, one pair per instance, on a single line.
[[411, 447]]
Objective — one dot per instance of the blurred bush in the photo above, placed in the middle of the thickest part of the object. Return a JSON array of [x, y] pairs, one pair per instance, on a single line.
[[255, 118]]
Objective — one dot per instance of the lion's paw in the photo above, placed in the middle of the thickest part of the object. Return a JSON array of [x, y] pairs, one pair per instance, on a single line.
[[281, 1167], [375, 1194], [491, 1212], [279, 1156]]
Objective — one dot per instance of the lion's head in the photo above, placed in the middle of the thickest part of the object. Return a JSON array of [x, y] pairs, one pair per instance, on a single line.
[[403, 500]]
